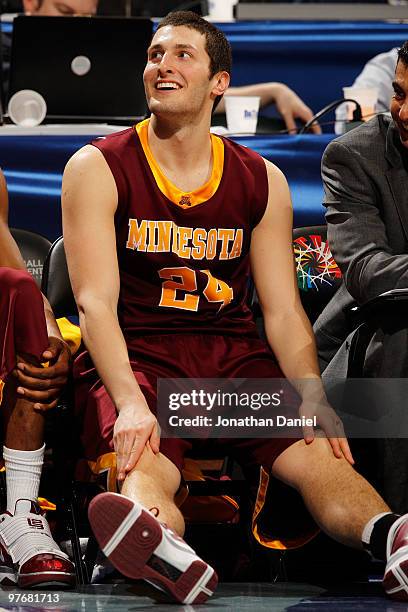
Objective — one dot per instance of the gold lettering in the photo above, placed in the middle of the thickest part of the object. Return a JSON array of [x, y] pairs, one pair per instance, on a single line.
[[185, 234], [164, 236], [152, 237], [137, 235], [225, 235], [211, 244], [237, 246], [198, 250]]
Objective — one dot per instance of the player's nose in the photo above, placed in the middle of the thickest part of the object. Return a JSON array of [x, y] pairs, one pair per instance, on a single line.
[[165, 66]]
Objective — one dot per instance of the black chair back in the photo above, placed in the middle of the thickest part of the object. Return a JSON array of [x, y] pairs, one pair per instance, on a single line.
[[34, 249], [56, 284]]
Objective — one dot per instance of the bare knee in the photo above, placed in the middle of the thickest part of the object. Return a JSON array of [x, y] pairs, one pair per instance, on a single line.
[[302, 464], [158, 470]]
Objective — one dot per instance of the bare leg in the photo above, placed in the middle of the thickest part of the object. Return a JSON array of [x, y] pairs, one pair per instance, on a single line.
[[339, 499], [153, 483], [24, 427]]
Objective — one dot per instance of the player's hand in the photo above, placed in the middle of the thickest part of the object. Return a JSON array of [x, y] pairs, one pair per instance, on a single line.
[[134, 428], [330, 423], [43, 385], [291, 107]]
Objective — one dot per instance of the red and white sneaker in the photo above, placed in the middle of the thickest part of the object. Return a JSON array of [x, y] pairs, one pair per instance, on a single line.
[[395, 581], [26, 539], [139, 546]]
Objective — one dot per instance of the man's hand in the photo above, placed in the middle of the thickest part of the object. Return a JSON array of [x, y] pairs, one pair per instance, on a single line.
[[44, 385], [134, 429], [330, 423], [291, 107]]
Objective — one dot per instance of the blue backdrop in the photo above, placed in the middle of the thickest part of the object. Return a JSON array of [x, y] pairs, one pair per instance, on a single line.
[[33, 166]]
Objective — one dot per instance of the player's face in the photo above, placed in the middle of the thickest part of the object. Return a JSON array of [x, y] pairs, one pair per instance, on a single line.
[[399, 102], [177, 74], [56, 8]]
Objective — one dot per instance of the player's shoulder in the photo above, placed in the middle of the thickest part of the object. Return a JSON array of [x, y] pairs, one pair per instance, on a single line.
[[94, 153], [364, 139]]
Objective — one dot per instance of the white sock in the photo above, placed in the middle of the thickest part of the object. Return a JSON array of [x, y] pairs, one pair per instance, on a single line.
[[23, 473]]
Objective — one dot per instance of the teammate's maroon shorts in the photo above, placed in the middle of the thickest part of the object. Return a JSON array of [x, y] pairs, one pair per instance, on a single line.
[[180, 356], [23, 329]]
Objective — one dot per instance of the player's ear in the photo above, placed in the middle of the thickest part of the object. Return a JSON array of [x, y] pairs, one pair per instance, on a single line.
[[221, 82]]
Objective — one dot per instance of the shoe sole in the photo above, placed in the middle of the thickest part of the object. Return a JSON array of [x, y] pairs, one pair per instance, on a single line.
[[46, 580], [130, 536]]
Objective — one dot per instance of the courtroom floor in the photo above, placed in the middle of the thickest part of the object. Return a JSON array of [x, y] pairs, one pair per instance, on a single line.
[[236, 597]]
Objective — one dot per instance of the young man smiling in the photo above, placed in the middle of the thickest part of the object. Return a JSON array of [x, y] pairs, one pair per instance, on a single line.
[[176, 306]]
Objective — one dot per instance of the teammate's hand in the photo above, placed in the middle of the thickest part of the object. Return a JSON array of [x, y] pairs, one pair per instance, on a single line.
[[134, 427], [291, 107], [330, 423], [44, 385]]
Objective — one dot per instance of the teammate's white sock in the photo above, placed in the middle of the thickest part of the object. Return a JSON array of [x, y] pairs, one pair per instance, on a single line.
[[23, 473]]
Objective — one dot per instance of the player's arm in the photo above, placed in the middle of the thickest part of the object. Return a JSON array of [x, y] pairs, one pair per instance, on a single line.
[[10, 256], [287, 327], [287, 103], [89, 202], [36, 384]]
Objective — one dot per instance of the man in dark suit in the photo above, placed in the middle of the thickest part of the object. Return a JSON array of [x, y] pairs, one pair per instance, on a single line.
[[366, 195]]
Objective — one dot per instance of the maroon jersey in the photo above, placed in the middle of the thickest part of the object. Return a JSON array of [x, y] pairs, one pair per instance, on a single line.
[[184, 257]]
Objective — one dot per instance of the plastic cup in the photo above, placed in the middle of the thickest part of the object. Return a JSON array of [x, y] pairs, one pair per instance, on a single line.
[[221, 10], [27, 108], [365, 96], [242, 113]]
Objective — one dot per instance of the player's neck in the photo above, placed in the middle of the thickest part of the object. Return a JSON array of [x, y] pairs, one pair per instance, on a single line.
[[183, 148]]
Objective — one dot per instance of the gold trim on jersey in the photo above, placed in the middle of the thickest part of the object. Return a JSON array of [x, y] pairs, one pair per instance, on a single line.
[[1, 390], [184, 199]]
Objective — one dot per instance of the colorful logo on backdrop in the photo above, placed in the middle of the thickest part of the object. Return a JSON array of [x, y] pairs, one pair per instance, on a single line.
[[315, 264]]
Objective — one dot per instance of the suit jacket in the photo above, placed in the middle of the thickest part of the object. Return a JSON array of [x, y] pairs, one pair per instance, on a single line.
[[366, 195]]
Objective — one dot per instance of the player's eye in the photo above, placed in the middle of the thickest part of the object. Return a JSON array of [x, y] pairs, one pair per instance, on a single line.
[[398, 93], [184, 54]]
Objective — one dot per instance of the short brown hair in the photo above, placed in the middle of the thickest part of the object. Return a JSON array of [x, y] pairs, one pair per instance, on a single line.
[[216, 44]]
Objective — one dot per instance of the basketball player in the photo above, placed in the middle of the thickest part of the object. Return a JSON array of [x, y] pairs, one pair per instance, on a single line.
[[162, 223], [29, 336]]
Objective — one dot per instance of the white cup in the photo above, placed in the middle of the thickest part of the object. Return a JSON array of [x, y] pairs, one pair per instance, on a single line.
[[27, 108], [221, 10], [365, 96], [242, 113]]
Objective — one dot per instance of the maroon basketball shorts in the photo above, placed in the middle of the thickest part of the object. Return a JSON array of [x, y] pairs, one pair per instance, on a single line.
[[23, 329], [195, 356]]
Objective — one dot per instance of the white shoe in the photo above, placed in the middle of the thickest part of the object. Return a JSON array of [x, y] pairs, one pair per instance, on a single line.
[[139, 546], [37, 559], [395, 581]]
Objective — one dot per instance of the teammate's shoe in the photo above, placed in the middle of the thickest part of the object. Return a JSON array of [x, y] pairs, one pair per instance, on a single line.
[[26, 539], [395, 579], [139, 546]]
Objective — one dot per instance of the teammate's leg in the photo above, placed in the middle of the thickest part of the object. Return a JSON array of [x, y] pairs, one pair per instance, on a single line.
[[30, 555]]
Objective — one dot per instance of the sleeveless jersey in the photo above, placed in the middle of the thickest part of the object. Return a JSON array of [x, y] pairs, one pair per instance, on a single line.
[[184, 258]]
